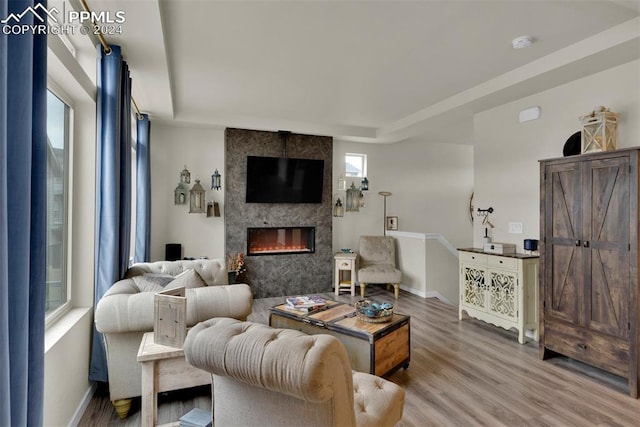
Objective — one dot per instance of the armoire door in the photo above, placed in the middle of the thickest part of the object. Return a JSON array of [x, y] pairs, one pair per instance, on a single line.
[[606, 245], [563, 281]]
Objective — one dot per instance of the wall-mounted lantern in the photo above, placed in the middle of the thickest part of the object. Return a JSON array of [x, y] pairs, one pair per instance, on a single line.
[[180, 194], [196, 198], [338, 209], [216, 181], [354, 199], [185, 176], [364, 185]]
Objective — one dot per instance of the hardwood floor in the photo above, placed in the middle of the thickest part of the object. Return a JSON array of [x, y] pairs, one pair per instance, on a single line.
[[462, 373]]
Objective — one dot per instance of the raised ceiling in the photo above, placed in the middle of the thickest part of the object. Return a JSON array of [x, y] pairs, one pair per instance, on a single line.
[[371, 71]]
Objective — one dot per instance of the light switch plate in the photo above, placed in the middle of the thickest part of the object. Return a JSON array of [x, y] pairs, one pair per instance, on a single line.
[[515, 227]]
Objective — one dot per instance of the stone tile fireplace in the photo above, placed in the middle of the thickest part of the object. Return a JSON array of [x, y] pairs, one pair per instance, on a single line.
[[307, 265], [280, 240]]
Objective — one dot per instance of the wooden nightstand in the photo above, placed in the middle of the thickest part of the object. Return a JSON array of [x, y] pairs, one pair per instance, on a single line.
[[345, 264]]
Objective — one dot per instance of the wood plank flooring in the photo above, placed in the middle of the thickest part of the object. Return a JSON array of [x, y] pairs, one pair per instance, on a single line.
[[462, 373]]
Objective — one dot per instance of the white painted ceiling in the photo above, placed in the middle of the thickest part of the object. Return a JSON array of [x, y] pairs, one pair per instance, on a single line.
[[371, 71]]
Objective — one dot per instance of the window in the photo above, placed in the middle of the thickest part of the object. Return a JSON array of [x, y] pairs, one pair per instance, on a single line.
[[57, 184], [355, 165]]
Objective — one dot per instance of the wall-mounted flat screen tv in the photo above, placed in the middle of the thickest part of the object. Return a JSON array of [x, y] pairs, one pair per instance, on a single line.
[[284, 180]]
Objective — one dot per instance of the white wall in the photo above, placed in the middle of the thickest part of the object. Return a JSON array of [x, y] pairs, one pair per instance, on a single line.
[[202, 151], [506, 169], [67, 389], [431, 183], [429, 265]]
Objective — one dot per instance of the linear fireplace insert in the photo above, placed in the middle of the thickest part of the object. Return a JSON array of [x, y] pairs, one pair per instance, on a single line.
[[280, 240]]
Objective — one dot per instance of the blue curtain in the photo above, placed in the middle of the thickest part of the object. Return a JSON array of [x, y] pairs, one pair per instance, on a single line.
[[143, 190], [23, 205], [113, 185]]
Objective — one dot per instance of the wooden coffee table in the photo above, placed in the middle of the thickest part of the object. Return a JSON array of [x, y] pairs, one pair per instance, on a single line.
[[375, 348]]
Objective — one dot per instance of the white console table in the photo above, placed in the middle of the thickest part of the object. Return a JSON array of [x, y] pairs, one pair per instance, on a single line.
[[500, 289]]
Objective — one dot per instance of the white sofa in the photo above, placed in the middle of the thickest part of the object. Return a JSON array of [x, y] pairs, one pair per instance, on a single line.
[[126, 312]]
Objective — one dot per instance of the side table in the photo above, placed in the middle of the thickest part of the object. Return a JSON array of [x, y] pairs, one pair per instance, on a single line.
[[164, 369], [345, 264]]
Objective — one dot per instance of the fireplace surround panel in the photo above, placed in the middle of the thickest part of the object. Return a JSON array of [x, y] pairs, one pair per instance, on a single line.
[[286, 273]]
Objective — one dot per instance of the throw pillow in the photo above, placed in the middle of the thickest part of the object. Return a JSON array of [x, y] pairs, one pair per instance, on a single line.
[[152, 282], [189, 279]]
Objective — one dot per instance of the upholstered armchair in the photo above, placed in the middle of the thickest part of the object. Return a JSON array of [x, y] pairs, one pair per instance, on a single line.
[[378, 263], [283, 377], [126, 312]]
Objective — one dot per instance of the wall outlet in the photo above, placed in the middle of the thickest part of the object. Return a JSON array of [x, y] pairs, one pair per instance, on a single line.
[[515, 227]]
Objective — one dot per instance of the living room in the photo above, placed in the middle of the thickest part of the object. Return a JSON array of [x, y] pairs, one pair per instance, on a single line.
[[469, 143]]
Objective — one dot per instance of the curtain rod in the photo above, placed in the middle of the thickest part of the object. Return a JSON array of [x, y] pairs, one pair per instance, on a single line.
[[107, 49]]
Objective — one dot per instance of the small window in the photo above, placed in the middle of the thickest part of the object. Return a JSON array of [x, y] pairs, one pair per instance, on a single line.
[[355, 165], [57, 185]]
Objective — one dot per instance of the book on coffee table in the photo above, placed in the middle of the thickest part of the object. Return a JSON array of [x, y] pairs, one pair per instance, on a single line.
[[305, 303]]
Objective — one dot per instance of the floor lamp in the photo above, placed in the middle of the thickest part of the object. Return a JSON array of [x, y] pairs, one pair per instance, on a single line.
[[384, 217]]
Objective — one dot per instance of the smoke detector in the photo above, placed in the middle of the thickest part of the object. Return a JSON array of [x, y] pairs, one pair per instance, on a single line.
[[522, 42]]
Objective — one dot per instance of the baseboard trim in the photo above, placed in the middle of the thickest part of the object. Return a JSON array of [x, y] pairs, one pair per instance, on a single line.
[[428, 294], [414, 291], [84, 404], [438, 295]]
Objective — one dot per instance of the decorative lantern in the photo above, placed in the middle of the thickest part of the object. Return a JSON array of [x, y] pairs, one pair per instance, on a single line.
[[364, 185], [185, 176], [338, 209], [599, 130], [196, 198], [216, 181], [180, 194], [353, 198]]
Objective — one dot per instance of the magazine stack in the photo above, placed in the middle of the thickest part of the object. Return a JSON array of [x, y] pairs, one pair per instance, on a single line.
[[305, 304]]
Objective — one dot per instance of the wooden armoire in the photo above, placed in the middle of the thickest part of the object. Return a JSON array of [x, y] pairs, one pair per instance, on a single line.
[[589, 276]]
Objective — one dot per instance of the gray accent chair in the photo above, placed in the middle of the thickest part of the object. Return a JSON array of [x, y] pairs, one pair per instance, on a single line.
[[378, 263], [263, 376], [126, 312]]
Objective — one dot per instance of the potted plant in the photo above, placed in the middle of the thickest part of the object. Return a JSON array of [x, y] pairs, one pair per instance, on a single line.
[[235, 266]]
